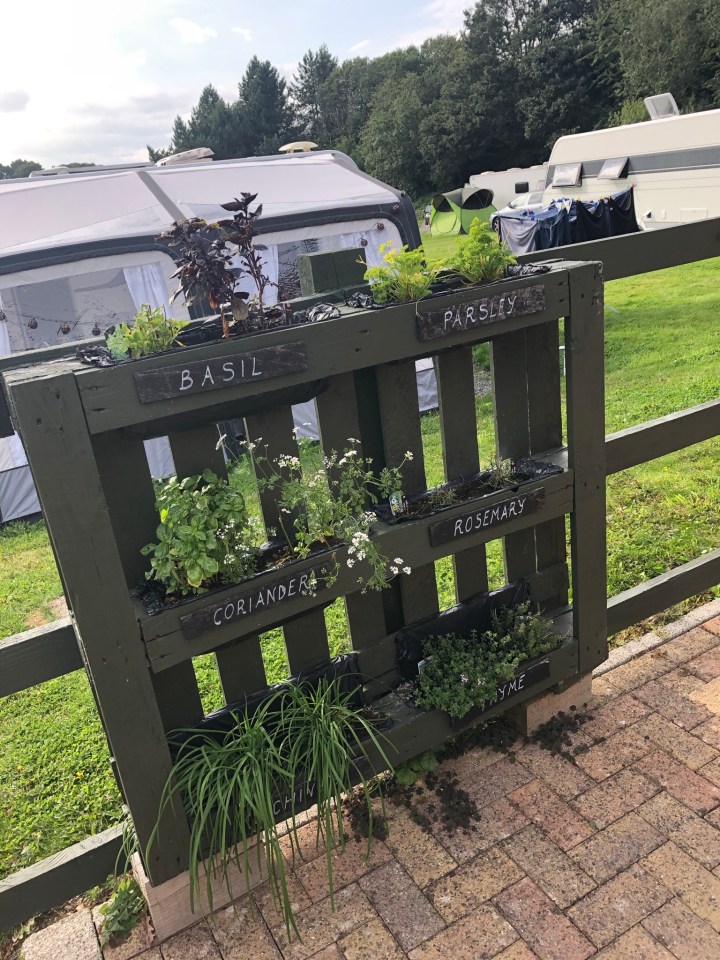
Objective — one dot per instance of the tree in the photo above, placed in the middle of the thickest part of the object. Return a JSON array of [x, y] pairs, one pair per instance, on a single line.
[[18, 168], [263, 109], [312, 72], [389, 141]]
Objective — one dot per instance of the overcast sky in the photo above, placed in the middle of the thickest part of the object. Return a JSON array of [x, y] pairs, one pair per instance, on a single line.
[[92, 81]]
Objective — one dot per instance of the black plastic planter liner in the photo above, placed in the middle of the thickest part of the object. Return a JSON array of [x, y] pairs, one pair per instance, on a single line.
[[473, 614], [343, 668], [524, 471]]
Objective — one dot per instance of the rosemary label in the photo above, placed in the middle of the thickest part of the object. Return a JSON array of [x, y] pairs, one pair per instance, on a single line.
[[480, 518]]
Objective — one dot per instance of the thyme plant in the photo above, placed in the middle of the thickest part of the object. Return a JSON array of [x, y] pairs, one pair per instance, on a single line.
[[460, 673]]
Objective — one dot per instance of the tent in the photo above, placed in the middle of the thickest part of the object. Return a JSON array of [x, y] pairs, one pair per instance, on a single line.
[[454, 212], [78, 252]]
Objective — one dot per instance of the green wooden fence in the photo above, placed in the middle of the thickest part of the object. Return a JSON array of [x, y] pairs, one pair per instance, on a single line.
[[377, 389]]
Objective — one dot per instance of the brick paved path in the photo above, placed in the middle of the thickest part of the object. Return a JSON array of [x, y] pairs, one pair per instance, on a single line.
[[613, 853]]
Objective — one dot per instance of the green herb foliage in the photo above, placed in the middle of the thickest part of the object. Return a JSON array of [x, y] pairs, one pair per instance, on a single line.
[[151, 332], [122, 912], [479, 257], [326, 742], [329, 504], [205, 536], [231, 787], [405, 276], [464, 672]]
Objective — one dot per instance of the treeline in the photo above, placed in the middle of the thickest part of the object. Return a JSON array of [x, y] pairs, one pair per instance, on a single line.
[[522, 73]]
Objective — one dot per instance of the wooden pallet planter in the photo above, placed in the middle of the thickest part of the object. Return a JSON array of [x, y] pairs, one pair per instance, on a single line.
[[83, 430]]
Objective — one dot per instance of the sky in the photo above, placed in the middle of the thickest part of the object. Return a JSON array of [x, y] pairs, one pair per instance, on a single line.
[[87, 81]]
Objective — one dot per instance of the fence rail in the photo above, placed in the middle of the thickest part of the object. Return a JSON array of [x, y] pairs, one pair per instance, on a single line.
[[52, 651]]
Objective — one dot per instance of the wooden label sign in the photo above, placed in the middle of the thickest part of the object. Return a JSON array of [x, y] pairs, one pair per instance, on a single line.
[[459, 317], [480, 518], [518, 684], [252, 601], [203, 376]]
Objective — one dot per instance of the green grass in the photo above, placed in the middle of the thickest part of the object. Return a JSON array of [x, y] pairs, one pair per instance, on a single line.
[[662, 354]]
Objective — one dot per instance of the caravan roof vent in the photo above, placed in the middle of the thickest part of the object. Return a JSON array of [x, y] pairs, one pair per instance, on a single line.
[[187, 156], [50, 172], [298, 146], [663, 105]]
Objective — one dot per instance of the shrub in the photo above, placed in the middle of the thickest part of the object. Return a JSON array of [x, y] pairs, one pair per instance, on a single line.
[[150, 333]]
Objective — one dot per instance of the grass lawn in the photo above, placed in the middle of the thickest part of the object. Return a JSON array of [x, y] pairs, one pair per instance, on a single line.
[[662, 354]]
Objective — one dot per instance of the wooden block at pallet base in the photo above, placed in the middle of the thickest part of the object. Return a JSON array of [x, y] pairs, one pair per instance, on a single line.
[[531, 714], [169, 902]]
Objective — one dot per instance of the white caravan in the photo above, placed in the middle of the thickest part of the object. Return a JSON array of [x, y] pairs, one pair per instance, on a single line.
[[78, 252], [672, 162], [506, 185]]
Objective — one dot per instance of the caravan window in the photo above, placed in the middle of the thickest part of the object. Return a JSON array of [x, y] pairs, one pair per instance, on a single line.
[[73, 301], [614, 169], [567, 175]]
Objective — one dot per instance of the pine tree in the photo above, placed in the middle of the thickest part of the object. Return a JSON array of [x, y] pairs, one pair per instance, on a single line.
[[263, 109], [305, 91]]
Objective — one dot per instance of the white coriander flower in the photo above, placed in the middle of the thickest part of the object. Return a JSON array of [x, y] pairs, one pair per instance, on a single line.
[[394, 571], [399, 561], [407, 570], [463, 678], [350, 562], [408, 454]]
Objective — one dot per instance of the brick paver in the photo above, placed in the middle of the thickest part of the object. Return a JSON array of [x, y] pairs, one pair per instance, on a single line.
[[683, 932], [401, 905], [609, 851], [541, 924], [636, 944], [614, 797], [551, 869], [616, 847], [464, 889], [478, 937], [554, 817], [618, 905], [688, 787], [689, 831]]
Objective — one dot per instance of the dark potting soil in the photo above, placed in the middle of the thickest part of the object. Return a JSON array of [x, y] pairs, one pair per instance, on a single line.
[[459, 491]]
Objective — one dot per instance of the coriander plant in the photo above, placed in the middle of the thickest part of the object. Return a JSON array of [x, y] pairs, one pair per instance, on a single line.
[[205, 536], [460, 673], [151, 332]]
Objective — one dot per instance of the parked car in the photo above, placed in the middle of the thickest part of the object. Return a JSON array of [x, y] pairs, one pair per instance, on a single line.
[[520, 205]]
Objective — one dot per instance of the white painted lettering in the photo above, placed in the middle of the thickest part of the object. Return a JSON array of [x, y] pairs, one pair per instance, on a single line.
[[521, 682], [217, 617], [521, 505], [229, 368], [186, 381], [228, 611], [482, 311], [447, 319], [291, 588], [511, 508], [208, 376], [255, 371], [470, 320], [457, 532], [511, 303], [282, 590], [240, 611], [303, 585], [259, 600]]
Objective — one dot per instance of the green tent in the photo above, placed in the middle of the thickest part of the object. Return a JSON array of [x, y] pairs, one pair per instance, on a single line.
[[454, 212]]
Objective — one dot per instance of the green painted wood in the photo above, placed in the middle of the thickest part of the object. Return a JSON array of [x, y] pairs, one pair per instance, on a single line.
[[350, 267], [401, 433], [359, 339], [509, 362], [338, 420], [166, 643], [458, 432], [59, 450], [317, 273], [130, 497], [653, 596], [241, 668], [658, 438], [306, 640], [37, 655], [584, 343], [643, 252], [545, 425], [177, 695], [196, 450], [52, 882]]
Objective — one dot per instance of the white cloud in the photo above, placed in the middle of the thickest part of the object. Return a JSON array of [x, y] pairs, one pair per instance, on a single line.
[[438, 16], [13, 101], [357, 47], [243, 32], [191, 32]]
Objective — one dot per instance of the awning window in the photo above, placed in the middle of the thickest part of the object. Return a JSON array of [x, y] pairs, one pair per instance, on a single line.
[[614, 169], [567, 175]]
